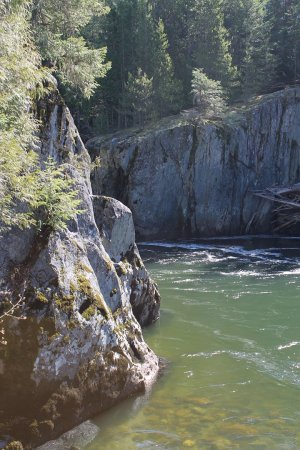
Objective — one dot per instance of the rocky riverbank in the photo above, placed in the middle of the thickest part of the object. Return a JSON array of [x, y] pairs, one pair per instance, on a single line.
[[74, 347], [185, 178]]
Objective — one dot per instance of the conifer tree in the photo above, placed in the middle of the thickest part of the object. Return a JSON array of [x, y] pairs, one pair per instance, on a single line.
[[22, 190], [17, 126], [135, 40], [257, 69], [151, 55], [138, 97], [236, 18], [208, 94], [284, 19], [178, 18], [167, 90], [58, 34], [209, 40]]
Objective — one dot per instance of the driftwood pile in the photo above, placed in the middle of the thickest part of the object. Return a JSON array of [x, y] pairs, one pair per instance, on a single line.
[[287, 200]]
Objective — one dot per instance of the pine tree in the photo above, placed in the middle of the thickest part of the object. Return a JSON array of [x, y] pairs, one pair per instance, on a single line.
[[17, 126], [151, 54], [58, 34], [117, 31], [178, 17], [257, 68], [138, 97], [167, 89], [22, 79], [135, 40], [208, 94], [284, 19], [236, 20], [209, 41]]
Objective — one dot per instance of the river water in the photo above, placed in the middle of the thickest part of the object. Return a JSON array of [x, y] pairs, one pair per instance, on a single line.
[[230, 330]]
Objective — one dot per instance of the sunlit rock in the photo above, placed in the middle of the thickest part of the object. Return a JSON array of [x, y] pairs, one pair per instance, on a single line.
[[74, 346]]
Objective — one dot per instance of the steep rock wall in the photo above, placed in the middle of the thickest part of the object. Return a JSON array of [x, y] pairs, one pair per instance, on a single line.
[[185, 179], [74, 347]]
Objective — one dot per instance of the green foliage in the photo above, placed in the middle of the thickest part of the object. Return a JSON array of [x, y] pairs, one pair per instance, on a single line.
[[208, 95], [58, 33], [177, 16], [54, 200], [249, 46], [257, 67], [29, 196], [198, 38], [284, 20], [79, 66], [136, 41], [237, 22], [265, 42], [138, 98], [167, 89], [153, 57], [209, 39], [21, 79]]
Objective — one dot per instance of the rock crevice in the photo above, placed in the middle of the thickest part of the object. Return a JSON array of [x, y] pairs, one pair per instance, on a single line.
[[190, 179]]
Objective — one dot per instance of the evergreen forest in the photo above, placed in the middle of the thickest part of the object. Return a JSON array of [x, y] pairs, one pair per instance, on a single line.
[[154, 49], [124, 63]]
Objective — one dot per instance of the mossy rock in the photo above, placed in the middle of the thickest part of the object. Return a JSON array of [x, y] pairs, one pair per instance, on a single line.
[[89, 312], [14, 445], [41, 297], [94, 300], [65, 303]]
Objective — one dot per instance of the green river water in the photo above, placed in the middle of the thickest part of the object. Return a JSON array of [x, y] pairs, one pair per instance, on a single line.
[[230, 330]]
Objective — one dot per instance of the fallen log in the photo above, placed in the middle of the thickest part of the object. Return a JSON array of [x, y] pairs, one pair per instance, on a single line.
[[287, 200]]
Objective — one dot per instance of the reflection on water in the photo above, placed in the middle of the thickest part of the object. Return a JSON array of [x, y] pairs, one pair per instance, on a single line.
[[230, 329]]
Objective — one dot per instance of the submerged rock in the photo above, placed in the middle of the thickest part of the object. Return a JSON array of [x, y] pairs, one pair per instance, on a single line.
[[74, 347], [183, 178], [76, 438]]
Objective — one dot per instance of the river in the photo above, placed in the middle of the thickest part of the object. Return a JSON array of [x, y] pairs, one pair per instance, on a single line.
[[230, 330]]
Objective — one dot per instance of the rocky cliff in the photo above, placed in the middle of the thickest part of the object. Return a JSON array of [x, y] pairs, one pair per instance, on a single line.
[[74, 347], [188, 178]]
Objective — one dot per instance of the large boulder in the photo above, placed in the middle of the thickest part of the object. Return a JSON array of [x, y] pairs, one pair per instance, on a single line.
[[115, 223], [74, 346]]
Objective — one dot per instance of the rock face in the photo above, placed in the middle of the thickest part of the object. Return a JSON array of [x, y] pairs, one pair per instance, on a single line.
[[185, 179], [117, 231], [75, 347]]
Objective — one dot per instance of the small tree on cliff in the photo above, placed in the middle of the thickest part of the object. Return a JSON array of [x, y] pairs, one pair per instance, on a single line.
[[55, 199], [138, 97], [208, 95]]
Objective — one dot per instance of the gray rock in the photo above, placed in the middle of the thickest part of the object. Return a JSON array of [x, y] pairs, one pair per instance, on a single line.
[[183, 178], [74, 439], [116, 227], [76, 347], [114, 221]]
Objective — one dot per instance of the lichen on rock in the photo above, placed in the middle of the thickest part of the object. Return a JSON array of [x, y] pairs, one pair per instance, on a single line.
[[74, 348], [115, 222]]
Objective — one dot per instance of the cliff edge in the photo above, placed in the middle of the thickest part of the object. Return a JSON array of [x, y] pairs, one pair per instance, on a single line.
[[189, 178]]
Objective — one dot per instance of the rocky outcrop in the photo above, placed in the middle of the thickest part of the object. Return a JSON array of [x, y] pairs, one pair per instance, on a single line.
[[183, 178], [117, 232], [74, 346]]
